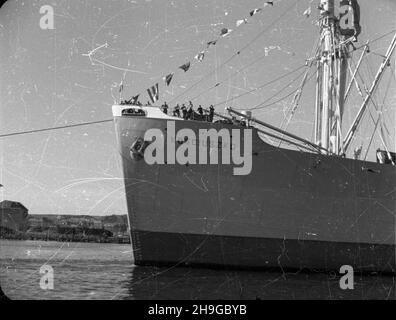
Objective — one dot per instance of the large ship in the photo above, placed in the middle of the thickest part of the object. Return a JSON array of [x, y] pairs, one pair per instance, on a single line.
[[298, 205]]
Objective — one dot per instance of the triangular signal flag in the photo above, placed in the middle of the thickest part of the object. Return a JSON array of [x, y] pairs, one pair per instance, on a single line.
[[240, 22], [212, 43], [185, 67], [168, 79], [153, 93], [200, 56], [255, 11], [225, 32], [307, 12]]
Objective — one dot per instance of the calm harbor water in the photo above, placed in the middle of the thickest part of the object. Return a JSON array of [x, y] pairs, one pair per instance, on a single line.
[[106, 271]]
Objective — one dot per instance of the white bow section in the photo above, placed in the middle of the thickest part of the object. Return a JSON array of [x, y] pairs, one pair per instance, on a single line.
[[151, 112]]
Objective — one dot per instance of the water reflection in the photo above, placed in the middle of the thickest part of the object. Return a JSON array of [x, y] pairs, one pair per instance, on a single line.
[[98, 271], [195, 284]]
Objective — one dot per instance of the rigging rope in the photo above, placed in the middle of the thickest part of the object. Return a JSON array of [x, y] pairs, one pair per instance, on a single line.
[[293, 106], [54, 128], [204, 77], [260, 87], [375, 40], [262, 105], [229, 77], [14, 134], [379, 110], [237, 53], [378, 92]]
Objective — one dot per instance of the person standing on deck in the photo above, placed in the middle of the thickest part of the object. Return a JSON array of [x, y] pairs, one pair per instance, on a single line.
[[165, 108], [184, 111], [190, 112], [200, 110], [211, 113], [176, 111]]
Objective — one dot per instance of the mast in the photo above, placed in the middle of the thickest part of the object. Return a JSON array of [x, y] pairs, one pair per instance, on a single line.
[[331, 81]]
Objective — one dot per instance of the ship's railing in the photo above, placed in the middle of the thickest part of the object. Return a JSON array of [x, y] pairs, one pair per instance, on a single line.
[[131, 110], [245, 120]]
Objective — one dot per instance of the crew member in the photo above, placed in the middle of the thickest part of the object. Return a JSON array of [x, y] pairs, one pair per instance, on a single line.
[[200, 110], [211, 113], [184, 111], [190, 112], [165, 108], [176, 111]]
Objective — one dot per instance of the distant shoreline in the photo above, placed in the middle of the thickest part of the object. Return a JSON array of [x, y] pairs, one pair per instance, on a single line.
[[60, 241], [63, 228], [63, 238]]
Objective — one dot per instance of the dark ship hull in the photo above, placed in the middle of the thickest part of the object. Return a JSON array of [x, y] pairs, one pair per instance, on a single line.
[[296, 210]]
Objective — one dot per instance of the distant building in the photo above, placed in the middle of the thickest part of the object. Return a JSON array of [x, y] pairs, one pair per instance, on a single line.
[[13, 216]]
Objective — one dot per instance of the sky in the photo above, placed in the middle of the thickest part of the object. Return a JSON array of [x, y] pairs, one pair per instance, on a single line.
[[71, 75]]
